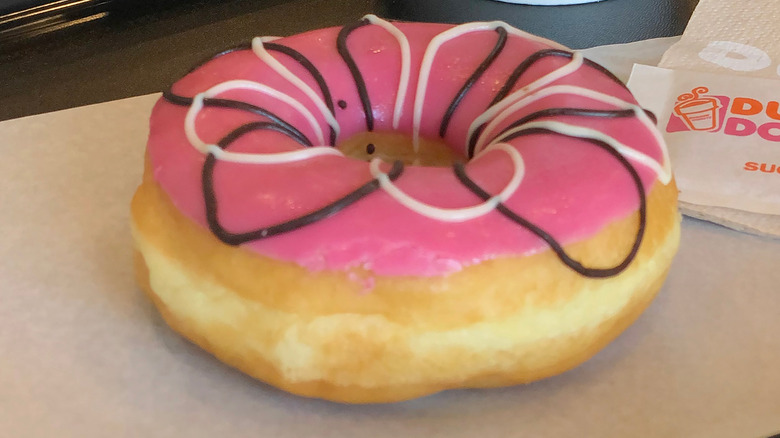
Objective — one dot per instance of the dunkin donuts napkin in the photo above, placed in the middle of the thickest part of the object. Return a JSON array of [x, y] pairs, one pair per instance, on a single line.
[[716, 95]]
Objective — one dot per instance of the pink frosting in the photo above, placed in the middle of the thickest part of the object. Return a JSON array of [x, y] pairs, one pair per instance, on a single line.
[[571, 188]]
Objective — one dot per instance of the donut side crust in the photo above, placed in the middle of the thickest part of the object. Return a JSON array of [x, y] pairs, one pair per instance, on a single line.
[[503, 322]]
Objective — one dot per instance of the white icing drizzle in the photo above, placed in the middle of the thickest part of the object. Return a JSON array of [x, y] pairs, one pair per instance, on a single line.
[[241, 157], [565, 70], [463, 29], [427, 64], [541, 94], [189, 124], [272, 158], [583, 132], [491, 118], [666, 164], [664, 176], [454, 214], [254, 86], [262, 53], [403, 80]]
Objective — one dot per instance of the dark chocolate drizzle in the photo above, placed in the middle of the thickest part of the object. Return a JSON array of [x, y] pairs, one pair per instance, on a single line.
[[241, 106], [484, 65], [558, 112], [556, 247], [276, 124], [315, 73], [523, 67], [258, 126], [230, 238], [360, 83]]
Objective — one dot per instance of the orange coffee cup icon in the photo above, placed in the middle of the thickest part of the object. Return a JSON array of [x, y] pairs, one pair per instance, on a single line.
[[699, 113]]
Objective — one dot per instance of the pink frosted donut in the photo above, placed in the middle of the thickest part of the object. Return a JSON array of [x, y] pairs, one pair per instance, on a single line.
[[560, 185]]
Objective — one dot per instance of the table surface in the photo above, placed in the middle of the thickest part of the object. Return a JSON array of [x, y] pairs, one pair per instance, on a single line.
[[140, 50]]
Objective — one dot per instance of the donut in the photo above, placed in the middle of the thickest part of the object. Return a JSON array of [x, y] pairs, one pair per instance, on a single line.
[[385, 210]]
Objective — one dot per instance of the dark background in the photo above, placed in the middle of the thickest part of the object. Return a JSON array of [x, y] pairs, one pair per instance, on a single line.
[[64, 56]]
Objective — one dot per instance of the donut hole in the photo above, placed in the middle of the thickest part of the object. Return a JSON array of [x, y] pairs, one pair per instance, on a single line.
[[393, 146]]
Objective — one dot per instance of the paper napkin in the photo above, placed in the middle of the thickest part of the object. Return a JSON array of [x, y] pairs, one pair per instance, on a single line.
[[737, 38]]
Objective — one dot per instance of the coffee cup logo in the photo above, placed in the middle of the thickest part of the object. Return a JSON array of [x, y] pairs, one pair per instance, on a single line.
[[697, 112]]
